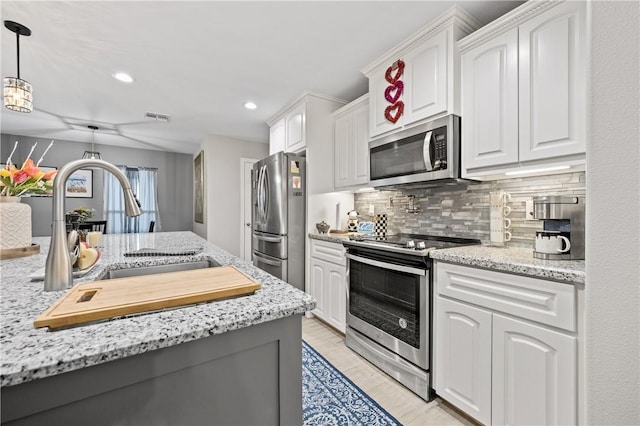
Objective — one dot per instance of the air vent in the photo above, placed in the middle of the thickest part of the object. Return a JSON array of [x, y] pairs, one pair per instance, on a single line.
[[157, 116]]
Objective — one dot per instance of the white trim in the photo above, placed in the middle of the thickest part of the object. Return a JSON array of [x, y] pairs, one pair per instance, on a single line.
[[243, 163]]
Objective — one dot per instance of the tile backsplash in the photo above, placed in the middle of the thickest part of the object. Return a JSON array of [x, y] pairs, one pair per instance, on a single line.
[[463, 210]]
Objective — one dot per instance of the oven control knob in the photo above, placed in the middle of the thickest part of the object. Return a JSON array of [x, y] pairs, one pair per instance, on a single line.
[[411, 244], [421, 245]]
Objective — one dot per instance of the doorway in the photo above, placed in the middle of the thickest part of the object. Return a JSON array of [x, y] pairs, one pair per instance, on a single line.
[[246, 165]]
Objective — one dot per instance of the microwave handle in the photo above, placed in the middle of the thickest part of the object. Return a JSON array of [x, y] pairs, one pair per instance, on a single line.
[[426, 152]]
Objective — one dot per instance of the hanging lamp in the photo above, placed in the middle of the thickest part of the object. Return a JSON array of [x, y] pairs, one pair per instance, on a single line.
[[18, 93], [93, 154]]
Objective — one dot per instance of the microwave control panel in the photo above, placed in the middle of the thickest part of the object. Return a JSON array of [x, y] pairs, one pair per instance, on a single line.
[[439, 148]]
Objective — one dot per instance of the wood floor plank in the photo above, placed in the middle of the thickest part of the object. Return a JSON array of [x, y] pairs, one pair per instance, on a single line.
[[399, 401]]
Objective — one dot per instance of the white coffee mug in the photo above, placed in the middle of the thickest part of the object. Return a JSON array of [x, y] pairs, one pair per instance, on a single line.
[[551, 243]]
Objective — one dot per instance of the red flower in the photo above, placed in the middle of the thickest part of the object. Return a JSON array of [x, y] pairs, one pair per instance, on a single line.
[[30, 168], [19, 177], [50, 174]]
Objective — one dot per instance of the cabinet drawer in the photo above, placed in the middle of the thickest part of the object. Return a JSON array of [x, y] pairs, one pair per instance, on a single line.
[[331, 252], [546, 302]]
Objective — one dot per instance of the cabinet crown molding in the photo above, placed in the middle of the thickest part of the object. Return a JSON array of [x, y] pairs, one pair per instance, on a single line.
[[348, 107], [306, 94], [454, 16], [506, 22]]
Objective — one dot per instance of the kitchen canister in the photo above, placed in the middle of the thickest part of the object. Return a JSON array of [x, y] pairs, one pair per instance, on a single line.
[[499, 222]]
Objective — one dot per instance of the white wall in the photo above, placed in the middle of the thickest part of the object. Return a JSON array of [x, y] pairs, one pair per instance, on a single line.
[[222, 189], [613, 191]]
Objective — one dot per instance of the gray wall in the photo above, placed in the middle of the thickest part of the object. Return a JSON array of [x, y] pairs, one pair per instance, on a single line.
[[223, 223], [612, 293], [175, 179], [463, 211]]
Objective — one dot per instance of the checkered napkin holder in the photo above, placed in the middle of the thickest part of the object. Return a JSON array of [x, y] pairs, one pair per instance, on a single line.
[[380, 226]]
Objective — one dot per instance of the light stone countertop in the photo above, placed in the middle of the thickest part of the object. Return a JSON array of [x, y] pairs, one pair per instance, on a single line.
[[515, 260], [27, 353]]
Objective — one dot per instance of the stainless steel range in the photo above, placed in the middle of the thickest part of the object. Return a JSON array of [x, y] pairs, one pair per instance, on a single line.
[[389, 304]]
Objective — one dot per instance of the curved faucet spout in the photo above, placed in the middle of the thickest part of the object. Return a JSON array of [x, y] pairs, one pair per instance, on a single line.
[[58, 269]]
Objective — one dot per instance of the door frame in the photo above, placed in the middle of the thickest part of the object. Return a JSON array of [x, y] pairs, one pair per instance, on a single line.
[[243, 188]]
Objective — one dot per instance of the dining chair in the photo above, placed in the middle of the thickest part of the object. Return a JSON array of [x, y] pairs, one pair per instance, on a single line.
[[152, 225], [96, 225]]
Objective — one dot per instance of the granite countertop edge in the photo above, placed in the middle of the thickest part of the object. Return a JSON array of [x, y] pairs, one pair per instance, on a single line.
[[517, 260], [28, 353]]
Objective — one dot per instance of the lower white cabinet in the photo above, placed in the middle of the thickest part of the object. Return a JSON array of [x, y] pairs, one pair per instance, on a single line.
[[494, 365], [328, 282]]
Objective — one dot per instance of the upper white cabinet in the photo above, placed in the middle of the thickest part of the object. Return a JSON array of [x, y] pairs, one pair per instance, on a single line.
[[425, 84], [352, 144], [524, 91], [506, 346], [277, 136], [291, 129]]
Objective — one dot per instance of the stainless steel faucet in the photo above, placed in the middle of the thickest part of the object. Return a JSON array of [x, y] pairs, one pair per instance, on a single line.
[[58, 270]]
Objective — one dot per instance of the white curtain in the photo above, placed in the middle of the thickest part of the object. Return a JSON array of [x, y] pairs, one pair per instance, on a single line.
[[144, 183]]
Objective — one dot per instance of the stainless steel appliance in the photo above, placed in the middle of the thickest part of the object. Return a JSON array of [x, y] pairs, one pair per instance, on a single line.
[[278, 199], [389, 304], [563, 223], [428, 152]]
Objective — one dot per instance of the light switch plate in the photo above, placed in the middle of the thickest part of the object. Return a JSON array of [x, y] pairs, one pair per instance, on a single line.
[[528, 209], [371, 209]]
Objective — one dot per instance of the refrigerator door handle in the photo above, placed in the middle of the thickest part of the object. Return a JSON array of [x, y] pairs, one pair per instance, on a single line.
[[261, 195], [267, 194], [268, 239], [263, 259]]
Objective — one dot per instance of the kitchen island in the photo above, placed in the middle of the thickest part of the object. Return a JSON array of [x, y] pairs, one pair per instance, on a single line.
[[232, 361]]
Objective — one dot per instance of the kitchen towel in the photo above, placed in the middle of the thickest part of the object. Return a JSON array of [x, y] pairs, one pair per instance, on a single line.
[[380, 225]]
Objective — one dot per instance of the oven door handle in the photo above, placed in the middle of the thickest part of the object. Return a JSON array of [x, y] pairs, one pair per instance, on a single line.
[[384, 265]]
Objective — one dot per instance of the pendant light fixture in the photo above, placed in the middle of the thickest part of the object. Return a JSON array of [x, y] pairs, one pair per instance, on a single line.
[[93, 154], [18, 93]]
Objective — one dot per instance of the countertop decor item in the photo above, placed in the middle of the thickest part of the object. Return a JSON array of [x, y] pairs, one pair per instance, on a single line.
[[15, 226], [323, 227], [27, 180]]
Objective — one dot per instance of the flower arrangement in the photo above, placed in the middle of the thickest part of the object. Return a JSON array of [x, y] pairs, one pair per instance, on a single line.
[[27, 180], [83, 213]]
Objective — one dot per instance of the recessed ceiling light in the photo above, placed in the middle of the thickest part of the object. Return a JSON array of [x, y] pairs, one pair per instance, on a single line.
[[250, 105], [123, 77]]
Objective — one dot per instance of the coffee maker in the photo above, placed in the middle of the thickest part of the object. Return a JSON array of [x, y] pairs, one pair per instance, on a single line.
[[562, 237]]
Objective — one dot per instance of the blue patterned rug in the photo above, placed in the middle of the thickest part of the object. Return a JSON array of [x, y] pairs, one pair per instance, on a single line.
[[329, 398]]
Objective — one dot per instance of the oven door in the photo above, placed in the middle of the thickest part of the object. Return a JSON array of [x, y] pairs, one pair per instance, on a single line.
[[389, 303]]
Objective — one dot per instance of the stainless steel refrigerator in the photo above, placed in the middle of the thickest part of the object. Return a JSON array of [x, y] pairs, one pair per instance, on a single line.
[[278, 199]]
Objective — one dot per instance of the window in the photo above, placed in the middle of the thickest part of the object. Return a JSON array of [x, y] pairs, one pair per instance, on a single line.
[[144, 183]]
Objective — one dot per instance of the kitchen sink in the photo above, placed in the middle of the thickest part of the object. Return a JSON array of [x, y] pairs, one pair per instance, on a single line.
[[158, 269]]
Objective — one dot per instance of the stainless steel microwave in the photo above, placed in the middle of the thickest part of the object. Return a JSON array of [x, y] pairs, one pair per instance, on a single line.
[[429, 152]]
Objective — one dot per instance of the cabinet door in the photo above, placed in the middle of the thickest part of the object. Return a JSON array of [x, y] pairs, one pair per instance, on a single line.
[[378, 123], [462, 362], [277, 137], [343, 146], [296, 122], [318, 277], [534, 374], [490, 103], [360, 163], [425, 79], [553, 71], [336, 306]]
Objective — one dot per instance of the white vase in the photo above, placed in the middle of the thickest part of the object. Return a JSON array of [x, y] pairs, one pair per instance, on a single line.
[[15, 223]]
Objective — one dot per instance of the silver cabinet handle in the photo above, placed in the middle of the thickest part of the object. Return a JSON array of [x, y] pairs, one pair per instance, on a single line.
[[248, 224], [425, 152], [267, 261], [393, 267]]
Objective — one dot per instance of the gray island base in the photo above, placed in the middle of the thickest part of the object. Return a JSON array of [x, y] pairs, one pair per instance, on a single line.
[[249, 376]]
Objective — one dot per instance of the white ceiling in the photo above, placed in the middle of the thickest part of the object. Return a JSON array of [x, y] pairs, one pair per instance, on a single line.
[[196, 61]]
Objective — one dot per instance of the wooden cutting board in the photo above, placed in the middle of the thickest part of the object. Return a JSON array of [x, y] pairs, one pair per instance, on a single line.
[[99, 300]]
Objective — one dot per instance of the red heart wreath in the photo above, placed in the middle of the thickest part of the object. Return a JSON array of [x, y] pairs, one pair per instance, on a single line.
[[396, 109], [397, 88], [398, 66]]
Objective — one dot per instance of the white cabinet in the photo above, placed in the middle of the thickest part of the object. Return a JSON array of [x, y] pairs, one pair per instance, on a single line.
[[328, 282], [352, 144], [524, 91], [295, 119], [505, 345], [277, 137], [463, 358], [430, 78], [533, 374]]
